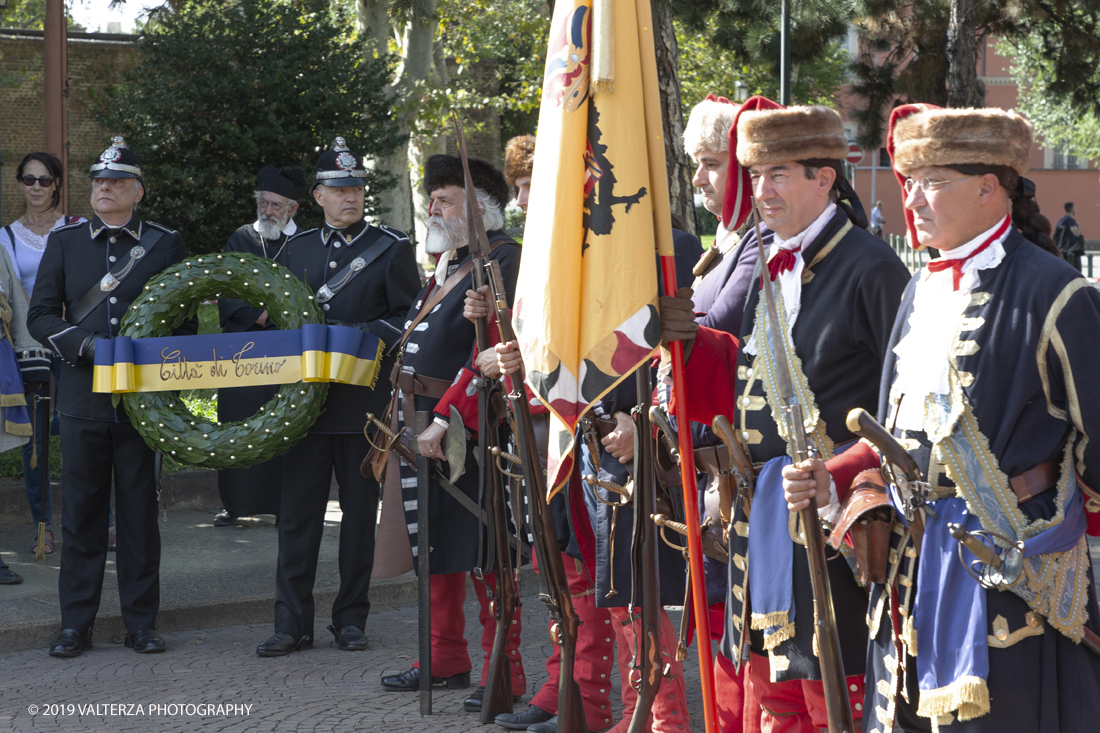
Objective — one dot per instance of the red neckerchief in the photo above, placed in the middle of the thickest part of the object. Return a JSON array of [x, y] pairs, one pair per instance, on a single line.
[[782, 261], [957, 264]]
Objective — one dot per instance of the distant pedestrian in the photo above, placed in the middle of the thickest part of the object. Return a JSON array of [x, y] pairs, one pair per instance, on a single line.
[[877, 219], [1068, 237]]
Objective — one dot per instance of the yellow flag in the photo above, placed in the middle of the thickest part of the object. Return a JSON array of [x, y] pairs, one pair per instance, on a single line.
[[585, 309]]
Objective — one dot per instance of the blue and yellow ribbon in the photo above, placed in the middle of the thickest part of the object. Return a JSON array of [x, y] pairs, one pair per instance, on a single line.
[[314, 353]]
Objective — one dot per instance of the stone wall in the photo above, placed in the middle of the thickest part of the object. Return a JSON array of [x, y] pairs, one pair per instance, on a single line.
[[96, 62]]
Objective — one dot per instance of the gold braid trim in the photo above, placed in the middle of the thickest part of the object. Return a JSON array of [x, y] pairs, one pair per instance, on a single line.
[[13, 400], [968, 697]]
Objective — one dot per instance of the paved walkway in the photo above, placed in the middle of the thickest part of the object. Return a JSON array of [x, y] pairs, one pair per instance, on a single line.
[[323, 689]]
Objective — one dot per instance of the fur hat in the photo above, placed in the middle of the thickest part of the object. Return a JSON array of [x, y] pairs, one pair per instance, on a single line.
[[939, 137], [519, 158], [446, 170], [797, 133], [708, 126]]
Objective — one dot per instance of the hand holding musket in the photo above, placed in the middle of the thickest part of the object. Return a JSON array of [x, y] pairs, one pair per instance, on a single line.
[[555, 586], [498, 687]]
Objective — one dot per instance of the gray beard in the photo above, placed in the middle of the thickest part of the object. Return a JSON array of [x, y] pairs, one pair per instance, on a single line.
[[444, 236], [270, 229]]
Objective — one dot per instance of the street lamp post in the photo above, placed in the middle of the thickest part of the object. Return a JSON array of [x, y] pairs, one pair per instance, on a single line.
[[741, 91]]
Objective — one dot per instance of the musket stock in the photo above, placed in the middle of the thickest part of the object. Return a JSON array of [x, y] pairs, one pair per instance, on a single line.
[[552, 578]]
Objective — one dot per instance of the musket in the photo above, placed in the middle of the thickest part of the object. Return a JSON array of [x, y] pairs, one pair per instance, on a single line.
[[838, 711], [43, 463], [552, 579], [898, 468], [424, 574], [643, 559], [498, 685]]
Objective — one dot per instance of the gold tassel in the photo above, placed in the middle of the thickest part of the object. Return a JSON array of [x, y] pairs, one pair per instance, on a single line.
[[764, 621], [968, 697], [780, 635], [603, 46]]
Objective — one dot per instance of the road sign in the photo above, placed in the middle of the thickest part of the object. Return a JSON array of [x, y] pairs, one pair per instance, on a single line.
[[855, 154]]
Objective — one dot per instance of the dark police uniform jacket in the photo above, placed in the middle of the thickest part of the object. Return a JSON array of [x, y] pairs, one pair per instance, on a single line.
[[376, 300], [441, 348], [76, 259]]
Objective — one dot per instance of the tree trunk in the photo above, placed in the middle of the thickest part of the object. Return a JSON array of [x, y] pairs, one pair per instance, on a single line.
[[679, 164], [964, 89], [416, 46]]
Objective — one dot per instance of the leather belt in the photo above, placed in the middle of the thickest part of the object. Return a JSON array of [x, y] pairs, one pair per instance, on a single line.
[[408, 381], [1026, 485], [713, 459], [1034, 481], [411, 384]]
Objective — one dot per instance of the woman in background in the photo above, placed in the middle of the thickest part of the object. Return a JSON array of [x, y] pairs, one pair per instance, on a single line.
[[25, 242]]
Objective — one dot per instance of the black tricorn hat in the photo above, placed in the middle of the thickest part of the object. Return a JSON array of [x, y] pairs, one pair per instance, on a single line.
[[289, 182], [446, 170], [117, 161], [339, 167]]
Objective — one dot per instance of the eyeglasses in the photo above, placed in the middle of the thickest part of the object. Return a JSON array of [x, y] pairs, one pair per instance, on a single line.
[[276, 207], [44, 181], [928, 184]]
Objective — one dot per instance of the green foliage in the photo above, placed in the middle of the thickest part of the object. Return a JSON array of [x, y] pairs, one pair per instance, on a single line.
[[723, 41], [226, 88], [1057, 115], [32, 14], [1059, 41], [165, 421], [511, 33], [707, 67]]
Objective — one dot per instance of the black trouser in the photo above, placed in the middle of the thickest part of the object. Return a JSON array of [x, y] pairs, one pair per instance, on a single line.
[[304, 496], [92, 449]]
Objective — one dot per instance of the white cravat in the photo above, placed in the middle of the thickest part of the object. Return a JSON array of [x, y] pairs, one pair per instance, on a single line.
[[790, 282], [924, 354]]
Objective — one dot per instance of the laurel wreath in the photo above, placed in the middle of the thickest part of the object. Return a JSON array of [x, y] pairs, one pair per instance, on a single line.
[[172, 297]]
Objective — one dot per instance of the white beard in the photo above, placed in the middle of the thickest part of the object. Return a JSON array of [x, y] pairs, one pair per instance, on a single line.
[[269, 228], [443, 236]]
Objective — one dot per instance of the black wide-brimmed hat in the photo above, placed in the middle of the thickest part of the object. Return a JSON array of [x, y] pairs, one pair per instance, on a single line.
[[117, 161], [289, 182], [446, 170], [338, 167]]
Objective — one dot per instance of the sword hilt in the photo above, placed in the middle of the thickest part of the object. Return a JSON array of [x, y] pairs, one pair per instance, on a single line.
[[510, 458], [596, 481], [385, 430]]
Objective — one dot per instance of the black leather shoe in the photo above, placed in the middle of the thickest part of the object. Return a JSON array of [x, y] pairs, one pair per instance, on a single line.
[[71, 643], [146, 641], [350, 638], [224, 518], [472, 704], [533, 715], [282, 643], [550, 726], [410, 681], [9, 577]]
